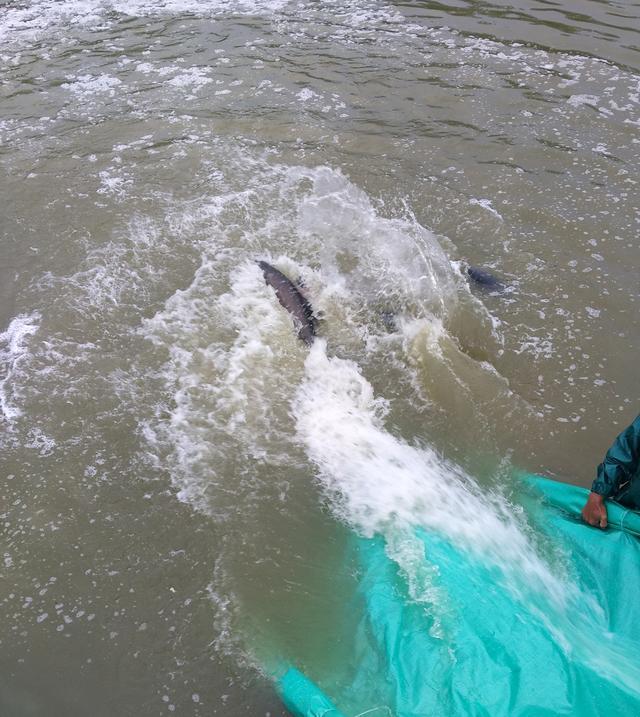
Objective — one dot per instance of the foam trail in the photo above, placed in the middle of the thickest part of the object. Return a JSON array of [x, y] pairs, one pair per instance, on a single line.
[[13, 351], [226, 359], [379, 482]]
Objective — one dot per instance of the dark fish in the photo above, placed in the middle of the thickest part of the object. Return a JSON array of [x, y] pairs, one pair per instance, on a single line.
[[389, 320], [292, 300], [484, 278]]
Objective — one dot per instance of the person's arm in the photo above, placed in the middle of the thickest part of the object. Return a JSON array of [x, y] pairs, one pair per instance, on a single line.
[[619, 465]]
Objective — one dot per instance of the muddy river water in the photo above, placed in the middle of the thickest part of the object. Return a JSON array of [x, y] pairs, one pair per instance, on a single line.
[[178, 473]]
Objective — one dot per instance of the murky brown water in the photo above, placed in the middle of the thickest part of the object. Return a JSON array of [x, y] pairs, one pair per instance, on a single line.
[[165, 536]]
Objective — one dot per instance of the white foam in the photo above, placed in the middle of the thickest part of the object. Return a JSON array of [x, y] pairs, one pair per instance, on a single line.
[[193, 78], [36, 18], [537, 346], [379, 483], [14, 350], [579, 100], [307, 94], [486, 204], [116, 273], [397, 260], [113, 183], [223, 384], [40, 442], [228, 340], [86, 86]]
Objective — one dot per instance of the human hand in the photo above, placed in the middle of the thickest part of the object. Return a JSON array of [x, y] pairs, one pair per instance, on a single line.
[[595, 511]]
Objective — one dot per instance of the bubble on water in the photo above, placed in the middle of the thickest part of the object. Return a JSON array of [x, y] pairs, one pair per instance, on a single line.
[[86, 86]]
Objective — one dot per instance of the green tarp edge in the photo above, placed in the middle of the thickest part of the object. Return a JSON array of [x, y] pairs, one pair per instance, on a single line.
[[571, 499], [303, 698]]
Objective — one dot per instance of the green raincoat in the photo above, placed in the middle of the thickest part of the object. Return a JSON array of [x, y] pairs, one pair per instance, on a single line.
[[619, 473]]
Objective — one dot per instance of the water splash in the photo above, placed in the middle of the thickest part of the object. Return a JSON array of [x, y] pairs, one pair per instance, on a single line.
[[381, 485], [14, 351]]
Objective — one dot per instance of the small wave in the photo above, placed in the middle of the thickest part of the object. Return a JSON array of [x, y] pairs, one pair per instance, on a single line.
[[33, 20], [14, 350]]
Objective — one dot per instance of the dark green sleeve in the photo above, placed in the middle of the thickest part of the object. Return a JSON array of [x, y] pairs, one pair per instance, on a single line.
[[621, 462]]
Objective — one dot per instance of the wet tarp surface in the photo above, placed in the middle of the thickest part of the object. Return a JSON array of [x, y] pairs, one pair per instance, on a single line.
[[493, 649]]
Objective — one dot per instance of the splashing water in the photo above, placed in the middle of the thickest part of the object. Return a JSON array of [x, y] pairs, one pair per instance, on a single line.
[[381, 485], [14, 351]]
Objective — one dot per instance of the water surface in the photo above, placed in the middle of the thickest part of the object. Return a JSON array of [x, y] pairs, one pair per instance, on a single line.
[[174, 507]]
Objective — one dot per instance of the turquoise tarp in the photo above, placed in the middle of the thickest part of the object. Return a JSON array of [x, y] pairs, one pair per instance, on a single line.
[[490, 646]]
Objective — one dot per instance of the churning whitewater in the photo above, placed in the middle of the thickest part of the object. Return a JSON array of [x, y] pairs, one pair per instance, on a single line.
[[183, 481]]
